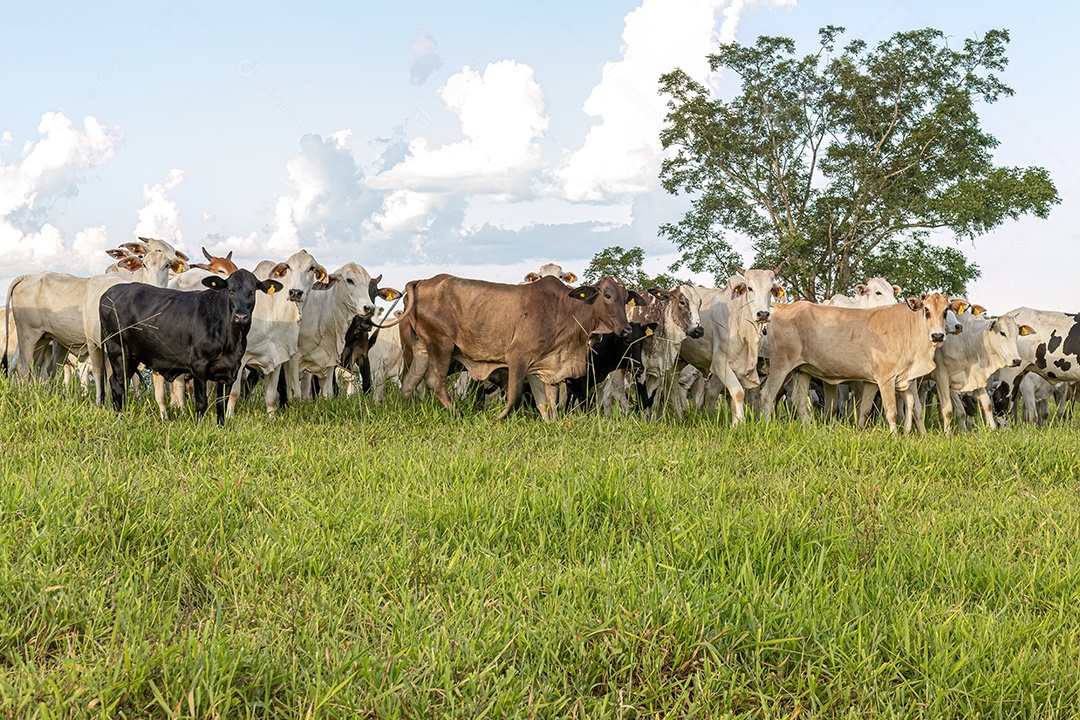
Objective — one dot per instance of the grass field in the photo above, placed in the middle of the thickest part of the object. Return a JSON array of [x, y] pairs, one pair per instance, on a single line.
[[344, 560]]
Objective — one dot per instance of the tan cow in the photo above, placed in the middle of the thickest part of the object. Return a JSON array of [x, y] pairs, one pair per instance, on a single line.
[[541, 329], [891, 346]]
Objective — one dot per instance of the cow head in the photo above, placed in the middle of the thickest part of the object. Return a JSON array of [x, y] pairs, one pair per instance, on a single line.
[[554, 270], [684, 310], [876, 293], [1002, 337], [299, 275], [755, 290], [935, 309], [358, 288], [241, 287], [220, 265], [608, 299]]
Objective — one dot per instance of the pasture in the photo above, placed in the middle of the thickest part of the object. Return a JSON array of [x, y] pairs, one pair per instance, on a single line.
[[347, 560]]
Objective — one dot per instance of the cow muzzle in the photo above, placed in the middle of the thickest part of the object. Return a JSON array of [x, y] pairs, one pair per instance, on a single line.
[[241, 318], [695, 332], [763, 316], [623, 332], [296, 295], [937, 337], [1015, 362]]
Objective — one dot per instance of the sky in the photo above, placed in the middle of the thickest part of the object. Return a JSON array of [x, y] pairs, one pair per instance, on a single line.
[[478, 138]]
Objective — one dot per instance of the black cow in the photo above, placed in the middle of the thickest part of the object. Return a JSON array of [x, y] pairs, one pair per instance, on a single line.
[[607, 354], [175, 333]]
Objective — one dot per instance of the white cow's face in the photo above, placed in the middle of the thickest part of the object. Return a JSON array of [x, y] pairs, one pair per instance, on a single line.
[[877, 292], [756, 289], [298, 275], [688, 306], [355, 283], [1003, 337]]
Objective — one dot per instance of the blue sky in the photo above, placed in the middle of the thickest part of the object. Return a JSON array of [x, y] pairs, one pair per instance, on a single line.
[[481, 138]]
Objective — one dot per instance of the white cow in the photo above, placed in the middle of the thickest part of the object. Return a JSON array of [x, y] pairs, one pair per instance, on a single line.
[[551, 269], [385, 361], [876, 292], [274, 336], [965, 361], [350, 291], [732, 318]]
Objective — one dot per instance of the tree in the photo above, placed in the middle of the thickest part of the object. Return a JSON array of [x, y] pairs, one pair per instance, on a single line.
[[627, 266], [843, 164]]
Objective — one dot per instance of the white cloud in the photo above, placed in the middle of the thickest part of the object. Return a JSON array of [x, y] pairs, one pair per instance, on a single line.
[[621, 154], [502, 118], [49, 170], [425, 58], [5, 139], [160, 217]]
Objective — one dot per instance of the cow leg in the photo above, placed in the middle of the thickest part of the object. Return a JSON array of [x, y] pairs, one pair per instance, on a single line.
[[200, 396], [159, 395], [945, 398], [222, 400], [326, 383], [97, 366], [270, 389], [800, 395], [773, 384], [987, 407], [545, 396], [913, 409], [514, 387], [831, 406], [118, 377], [866, 403], [888, 401], [414, 375]]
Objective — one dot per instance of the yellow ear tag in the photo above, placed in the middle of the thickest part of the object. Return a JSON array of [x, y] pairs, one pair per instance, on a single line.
[[1024, 330], [631, 302], [270, 290], [977, 309], [648, 331], [779, 292]]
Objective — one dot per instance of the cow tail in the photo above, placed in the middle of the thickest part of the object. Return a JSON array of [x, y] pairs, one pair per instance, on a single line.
[[7, 332]]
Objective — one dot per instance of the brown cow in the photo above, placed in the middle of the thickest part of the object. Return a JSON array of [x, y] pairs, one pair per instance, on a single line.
[[221, 265], [540, 329], [891, 346]]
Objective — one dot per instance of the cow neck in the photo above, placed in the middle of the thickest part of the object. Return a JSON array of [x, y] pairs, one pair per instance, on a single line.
[[335, 317]]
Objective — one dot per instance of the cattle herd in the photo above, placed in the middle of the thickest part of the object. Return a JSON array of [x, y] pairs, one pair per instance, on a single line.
[[302, 330]]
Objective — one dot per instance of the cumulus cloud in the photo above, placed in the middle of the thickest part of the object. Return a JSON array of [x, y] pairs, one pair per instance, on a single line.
[[425, 58], [49, 170], [160, 217], [502, 117], [621, 154]]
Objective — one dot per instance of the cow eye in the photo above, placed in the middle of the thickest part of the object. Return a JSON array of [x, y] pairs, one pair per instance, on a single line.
[[878, 292], [350, 281]]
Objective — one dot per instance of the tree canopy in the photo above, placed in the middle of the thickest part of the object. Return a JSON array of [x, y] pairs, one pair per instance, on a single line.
[[627, 265], [844, 163]]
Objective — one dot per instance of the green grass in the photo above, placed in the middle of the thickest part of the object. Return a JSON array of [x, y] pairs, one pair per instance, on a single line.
[[343, 560]]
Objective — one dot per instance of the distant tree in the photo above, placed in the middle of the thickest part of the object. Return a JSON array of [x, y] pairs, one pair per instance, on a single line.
[[843, 164], [627, 265]]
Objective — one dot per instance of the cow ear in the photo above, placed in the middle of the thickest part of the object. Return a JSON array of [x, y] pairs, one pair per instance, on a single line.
[[977, 310], [182, 256], [993, 325], [131, 263], [388, 293], [777, 292], [650, 328], [739, 288], [656, 293], [860, 289], [1026, 330], [958, 306], [569, 277], [321, 276], [532, 277], [328, 282], [915, 303], [178, 266], [587, 293], [270, 286], [633, 298], [896, 289], [215, 282], [117, 253], [279, 270]]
